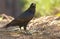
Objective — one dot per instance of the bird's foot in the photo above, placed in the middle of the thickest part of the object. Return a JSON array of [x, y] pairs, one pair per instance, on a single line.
[[26, 32]]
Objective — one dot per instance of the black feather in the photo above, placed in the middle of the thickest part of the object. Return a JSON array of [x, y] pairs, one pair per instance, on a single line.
[[24, 18]]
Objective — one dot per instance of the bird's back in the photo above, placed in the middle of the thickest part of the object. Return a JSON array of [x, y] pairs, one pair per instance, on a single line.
[[25, 17]]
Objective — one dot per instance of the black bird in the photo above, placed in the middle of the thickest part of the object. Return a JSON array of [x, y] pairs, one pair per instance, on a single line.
[[24, 18]]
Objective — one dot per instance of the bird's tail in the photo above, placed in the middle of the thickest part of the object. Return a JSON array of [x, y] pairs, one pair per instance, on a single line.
[[9, 24]]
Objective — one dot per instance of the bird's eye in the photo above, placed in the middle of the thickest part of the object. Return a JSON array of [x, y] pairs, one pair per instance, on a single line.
[[33, 4]]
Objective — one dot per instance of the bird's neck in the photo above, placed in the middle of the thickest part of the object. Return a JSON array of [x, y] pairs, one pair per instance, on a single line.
[[32, 10]]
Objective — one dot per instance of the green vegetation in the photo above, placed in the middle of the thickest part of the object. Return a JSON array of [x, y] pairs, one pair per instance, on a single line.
[[43, 7]]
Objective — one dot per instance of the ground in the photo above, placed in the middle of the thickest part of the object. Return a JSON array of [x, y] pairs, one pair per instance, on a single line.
[[47, 27]]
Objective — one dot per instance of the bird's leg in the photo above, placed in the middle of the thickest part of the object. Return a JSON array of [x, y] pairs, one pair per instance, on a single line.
[[20, 27], [25, 28]]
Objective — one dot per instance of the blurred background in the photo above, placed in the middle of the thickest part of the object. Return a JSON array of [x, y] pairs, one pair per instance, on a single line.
[[43, 7]]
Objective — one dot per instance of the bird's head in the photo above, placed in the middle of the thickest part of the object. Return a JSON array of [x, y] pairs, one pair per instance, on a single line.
[[33, 5], [31, 8]]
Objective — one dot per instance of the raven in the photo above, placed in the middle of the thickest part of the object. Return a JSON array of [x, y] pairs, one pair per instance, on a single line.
[[23, 19]]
